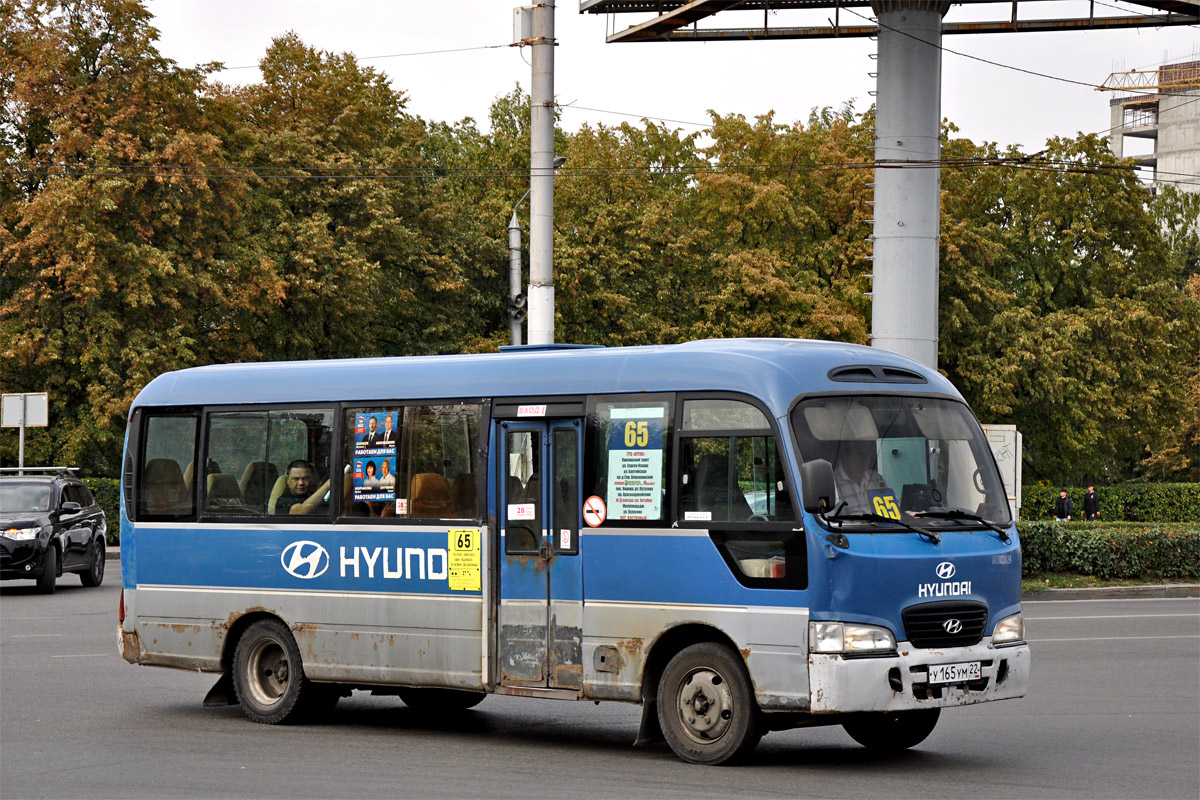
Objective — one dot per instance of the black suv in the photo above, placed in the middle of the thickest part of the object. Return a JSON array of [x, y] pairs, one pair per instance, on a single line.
[[49, 524]]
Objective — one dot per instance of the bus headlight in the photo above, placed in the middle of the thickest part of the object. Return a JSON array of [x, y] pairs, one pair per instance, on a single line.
[[22, 534], [846, 637], [1009, 630]]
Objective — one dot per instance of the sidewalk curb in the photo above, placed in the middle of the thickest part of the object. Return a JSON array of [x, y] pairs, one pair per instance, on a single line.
[[1157, 591]]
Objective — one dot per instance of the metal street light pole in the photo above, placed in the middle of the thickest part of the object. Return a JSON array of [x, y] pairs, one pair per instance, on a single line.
[[516, 300]]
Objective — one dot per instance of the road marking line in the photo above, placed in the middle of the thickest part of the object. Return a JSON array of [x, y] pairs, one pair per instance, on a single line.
[[84, 655], [1115, 616], [1115, 638], [34, 635]]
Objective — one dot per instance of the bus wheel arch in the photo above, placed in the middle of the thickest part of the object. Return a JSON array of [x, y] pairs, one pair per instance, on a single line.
[[236, 625], [669, 643]]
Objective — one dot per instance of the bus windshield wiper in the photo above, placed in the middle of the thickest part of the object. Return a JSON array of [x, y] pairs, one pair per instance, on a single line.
[[838, 516], [958, 513]]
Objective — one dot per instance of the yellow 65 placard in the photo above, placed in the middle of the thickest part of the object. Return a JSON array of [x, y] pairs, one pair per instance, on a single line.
[[884, 504], [463, 561]]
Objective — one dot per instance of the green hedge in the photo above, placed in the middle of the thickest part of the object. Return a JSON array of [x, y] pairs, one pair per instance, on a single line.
[[108, 497], [1126, 502], [1112, 550]]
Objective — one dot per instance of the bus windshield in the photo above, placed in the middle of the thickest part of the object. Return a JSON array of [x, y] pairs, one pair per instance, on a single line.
[[895, 456]]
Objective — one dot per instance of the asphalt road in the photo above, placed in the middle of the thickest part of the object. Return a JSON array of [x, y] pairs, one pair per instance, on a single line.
[[1113, 711]]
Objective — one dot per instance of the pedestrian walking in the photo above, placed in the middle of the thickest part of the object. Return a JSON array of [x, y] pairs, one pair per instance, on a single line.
[[1091, 505], [1063, 507]]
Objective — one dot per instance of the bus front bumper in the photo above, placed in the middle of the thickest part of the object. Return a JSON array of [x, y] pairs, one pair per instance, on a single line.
[[901, 682]]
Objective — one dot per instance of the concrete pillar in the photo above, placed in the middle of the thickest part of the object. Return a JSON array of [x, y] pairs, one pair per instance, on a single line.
[[908, 115], [541, 180]]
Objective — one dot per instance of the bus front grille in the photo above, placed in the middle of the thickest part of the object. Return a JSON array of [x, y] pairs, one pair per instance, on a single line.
[[945, 624]]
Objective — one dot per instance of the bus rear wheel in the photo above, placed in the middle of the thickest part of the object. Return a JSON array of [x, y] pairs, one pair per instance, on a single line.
[[433, 701], [268, 674], [891, 733], [705, 706]]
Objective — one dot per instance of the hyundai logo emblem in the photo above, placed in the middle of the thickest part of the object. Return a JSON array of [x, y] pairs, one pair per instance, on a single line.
[[305, 560], [952, 626], [945, 570]]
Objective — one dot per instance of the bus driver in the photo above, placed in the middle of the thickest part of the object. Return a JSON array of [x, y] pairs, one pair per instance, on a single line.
[[855, 475]]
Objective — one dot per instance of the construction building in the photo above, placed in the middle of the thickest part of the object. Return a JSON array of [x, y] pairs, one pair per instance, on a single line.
[[1163, 106]]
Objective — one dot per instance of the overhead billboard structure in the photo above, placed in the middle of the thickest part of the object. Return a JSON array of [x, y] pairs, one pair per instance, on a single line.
[[907, 115]]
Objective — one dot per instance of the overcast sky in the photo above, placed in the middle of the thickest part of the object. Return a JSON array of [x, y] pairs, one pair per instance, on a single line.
[[679, 81]]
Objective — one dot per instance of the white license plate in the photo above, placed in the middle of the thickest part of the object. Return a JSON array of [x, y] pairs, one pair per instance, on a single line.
[[955, 673]]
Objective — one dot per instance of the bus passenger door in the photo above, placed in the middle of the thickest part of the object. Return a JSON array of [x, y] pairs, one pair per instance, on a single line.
[[541, 580]]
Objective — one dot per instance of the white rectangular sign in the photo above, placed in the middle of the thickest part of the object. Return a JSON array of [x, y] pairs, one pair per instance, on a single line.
[[32, 408]]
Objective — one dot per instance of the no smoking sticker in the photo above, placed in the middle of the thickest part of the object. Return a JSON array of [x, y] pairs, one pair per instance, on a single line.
[[594, 511]]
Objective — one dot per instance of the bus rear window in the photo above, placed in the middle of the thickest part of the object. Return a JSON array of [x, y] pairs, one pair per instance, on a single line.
[[168, 464]]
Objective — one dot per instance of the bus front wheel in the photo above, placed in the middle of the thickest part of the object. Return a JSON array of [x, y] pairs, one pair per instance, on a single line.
[[705, 705], [268, 674], [891, 733]]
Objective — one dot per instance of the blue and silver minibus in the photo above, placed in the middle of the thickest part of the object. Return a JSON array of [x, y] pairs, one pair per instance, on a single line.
[[743, 536]]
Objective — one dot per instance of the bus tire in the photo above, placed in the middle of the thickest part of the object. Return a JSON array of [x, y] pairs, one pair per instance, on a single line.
[[268, 674], [891, 733], [706, 707], [45, 581], [94, 574], [433, 701]]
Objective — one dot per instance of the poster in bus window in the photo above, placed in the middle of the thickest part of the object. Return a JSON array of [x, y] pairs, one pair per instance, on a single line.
[[635, 463], [376, 429], [374, 478], [375, 437]]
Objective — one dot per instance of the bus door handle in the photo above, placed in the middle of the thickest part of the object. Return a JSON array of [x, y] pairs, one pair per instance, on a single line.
[[546, 550]]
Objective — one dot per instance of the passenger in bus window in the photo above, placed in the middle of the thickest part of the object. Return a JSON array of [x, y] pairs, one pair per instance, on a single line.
[[299, 496], [856, 476]]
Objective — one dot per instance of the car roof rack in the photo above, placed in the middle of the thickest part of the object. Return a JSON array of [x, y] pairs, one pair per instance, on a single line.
[[64, 471]]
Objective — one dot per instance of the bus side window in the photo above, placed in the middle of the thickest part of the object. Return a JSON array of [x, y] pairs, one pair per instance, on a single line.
[[730, 469], [627, 453], [412, 462], [168, 445]]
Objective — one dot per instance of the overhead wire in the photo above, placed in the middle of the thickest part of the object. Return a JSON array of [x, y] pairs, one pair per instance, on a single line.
[[988, 61], [390, 55]]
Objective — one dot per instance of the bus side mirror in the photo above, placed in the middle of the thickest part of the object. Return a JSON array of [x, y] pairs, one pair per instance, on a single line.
[[816, 478]]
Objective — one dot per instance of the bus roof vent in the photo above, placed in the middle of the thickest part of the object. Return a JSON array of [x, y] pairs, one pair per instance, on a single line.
[[533, 348], [875, 373]]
